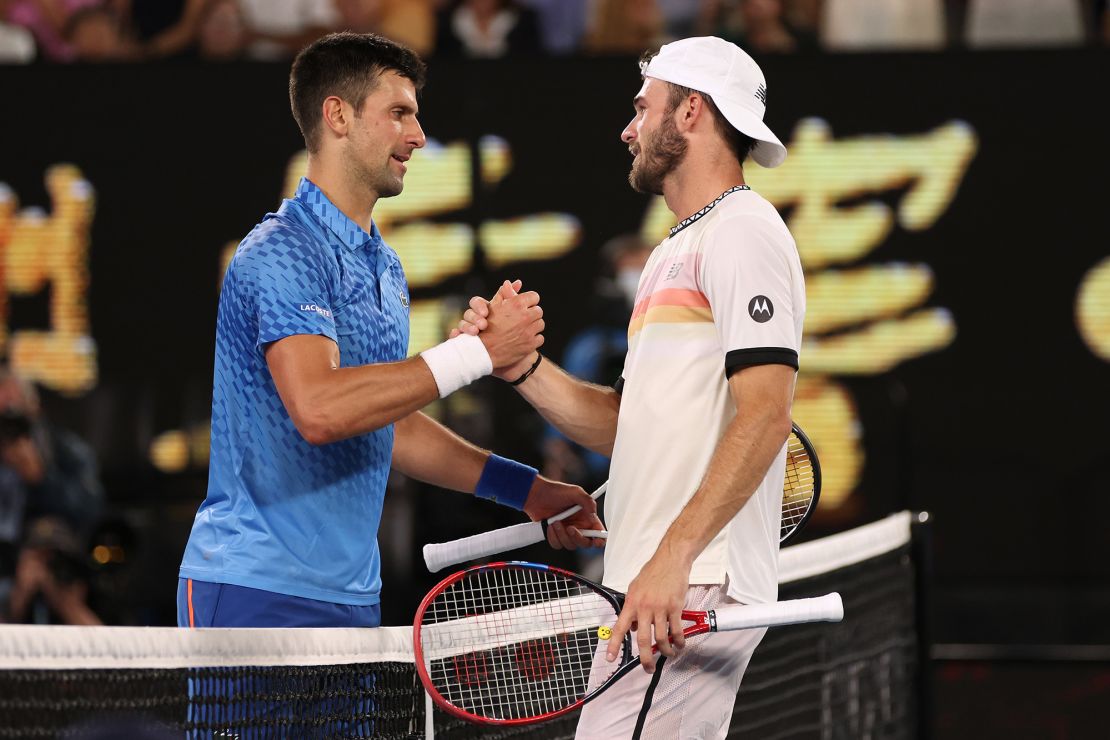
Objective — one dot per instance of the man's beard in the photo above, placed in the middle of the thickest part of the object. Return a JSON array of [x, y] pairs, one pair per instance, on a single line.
[[380, 180], [658, 157]]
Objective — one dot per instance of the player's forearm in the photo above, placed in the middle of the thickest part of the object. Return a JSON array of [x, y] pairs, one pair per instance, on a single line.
[[426, 450], [584, 412], [743, 455], [349, 401]]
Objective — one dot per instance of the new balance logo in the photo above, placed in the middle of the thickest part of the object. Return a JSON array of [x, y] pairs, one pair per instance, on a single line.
[[673, 272], [761, 93], [761, 309]]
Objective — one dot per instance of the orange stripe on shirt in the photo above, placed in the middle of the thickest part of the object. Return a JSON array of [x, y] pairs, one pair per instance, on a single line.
[[671, 297], [189, 598], [670, 315]]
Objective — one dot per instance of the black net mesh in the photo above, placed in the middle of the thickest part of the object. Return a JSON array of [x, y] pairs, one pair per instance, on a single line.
[[855, 679], [381, 700]]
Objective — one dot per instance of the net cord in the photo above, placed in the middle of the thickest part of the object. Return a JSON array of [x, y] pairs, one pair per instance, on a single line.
[[62, 647], [809, 559]]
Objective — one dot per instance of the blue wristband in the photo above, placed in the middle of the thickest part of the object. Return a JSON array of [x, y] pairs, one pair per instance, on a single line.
[[505, 482]]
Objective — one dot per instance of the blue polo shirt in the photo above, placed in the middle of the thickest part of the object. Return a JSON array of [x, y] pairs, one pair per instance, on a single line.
[[281, 514]]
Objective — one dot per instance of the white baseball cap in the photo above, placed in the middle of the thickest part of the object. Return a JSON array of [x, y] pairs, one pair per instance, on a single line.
[[732, 78]]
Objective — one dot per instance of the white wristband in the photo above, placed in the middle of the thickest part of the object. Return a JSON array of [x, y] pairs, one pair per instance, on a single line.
[[457, 362]]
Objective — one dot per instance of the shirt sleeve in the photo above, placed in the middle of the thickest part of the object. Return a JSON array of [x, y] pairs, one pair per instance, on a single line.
[[292, 288], [747, 278]]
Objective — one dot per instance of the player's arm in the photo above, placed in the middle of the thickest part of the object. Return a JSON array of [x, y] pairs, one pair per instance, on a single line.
[[763, 396], [426, 450], [328, 402], [586, 413]]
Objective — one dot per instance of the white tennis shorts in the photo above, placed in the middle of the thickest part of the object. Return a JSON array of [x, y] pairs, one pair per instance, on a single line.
[[690, 697]]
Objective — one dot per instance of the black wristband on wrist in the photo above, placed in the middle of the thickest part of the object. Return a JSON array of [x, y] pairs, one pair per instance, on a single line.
[[529, 371]]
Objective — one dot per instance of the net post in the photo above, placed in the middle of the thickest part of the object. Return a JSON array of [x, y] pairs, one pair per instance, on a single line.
[[921, 548]]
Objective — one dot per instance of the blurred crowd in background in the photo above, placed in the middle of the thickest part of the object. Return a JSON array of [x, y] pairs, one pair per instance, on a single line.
[[60, 31]]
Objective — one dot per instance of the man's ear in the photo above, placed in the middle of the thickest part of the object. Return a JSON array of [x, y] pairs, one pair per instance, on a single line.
[[689, 111], [336, 115]]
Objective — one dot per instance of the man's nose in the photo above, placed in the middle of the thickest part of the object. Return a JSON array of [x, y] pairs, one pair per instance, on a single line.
[[417, 137]]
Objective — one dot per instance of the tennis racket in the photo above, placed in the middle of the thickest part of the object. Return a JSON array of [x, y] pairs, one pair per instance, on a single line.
[[518, 643], [801, 490]]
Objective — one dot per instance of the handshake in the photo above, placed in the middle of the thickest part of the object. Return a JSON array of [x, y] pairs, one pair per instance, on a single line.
[[510, 326], [500, 336]]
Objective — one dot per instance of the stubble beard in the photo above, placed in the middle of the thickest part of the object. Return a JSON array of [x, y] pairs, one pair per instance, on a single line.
[[377, 179], [658, 157]]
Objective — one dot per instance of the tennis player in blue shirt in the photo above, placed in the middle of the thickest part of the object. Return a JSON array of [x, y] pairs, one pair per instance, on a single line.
[[313, 398]]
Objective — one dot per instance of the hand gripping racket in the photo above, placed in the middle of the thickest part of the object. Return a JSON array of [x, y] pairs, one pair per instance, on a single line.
[[517, 643], [801, 490]]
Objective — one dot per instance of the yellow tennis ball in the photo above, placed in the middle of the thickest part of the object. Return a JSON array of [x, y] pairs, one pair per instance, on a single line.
[[604, 633]]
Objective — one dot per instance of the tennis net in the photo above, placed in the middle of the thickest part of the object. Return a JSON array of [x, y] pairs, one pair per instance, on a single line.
[[849, 680]]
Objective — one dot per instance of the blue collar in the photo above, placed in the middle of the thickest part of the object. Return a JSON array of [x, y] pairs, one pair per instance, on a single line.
[[349, 233]]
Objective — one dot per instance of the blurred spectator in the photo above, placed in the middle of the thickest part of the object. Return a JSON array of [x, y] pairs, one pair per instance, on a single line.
[[597, 353], [487, 29], [562, 23], [410, 22], [804, 19], [96, 35], [50, 500], [681, 18], [281, 28], [865, 25], [222, 34], [51, 582], [624, 27], [17, 45], [758, 27], [1102, 21], [12, 500], [46, 20], [1024, 23], [57, 469], [163, 28]]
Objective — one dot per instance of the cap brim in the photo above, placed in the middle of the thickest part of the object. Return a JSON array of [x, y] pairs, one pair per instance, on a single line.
[[768, 150]]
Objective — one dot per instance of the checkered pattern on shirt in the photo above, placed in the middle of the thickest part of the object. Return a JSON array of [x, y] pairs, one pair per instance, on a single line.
[[281, 514]]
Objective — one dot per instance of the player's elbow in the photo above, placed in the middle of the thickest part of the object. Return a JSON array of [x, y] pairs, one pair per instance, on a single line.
[[316, 436], [316, 426], [780, 425], [771, 422]]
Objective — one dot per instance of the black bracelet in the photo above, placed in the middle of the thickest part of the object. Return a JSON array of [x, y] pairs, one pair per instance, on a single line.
[[529, 371]]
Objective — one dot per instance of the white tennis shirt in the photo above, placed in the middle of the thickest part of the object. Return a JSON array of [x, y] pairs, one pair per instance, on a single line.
[[724, 291]]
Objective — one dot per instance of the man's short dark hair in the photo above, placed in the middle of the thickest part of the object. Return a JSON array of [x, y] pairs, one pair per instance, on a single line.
[[347, 65], [740, 144]]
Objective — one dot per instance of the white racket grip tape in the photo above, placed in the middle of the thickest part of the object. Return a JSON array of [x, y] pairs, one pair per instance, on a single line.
[[440, 555], [827, 608]]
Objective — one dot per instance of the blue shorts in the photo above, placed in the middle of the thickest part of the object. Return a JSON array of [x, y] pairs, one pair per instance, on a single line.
[[205, 604]]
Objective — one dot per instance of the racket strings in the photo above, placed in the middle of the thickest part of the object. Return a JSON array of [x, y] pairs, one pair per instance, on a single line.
[[798, 485], [510, 643]]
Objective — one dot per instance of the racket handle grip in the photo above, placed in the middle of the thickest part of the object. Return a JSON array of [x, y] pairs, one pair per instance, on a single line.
[[827, 608], [440, 555]]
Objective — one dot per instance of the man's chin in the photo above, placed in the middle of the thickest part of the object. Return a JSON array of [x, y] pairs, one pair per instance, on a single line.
[[391, 189], [641, 184]]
